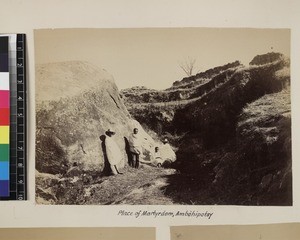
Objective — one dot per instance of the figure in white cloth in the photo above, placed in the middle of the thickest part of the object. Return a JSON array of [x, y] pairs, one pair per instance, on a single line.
[[113, 152], [157, 159], [167, 153]]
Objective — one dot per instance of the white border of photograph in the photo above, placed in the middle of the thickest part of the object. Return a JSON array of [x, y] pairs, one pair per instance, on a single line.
[[24, 16]]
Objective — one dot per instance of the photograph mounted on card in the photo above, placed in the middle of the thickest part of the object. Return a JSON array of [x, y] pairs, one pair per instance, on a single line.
[[286, 231], [163, 116], [78, 233]]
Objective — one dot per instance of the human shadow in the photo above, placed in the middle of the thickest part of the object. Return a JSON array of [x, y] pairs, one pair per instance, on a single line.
[[106, 169]]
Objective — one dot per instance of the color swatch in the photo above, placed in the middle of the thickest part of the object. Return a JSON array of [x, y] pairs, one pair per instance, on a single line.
[[4, 117], [13, 181]]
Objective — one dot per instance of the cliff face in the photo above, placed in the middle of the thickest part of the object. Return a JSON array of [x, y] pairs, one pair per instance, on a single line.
[[238, 137], [233, 135], [76, 104], [215, 114]]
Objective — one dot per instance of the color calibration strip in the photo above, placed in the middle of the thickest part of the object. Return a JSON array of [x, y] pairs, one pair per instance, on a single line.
[[4, 118], [16, 118]]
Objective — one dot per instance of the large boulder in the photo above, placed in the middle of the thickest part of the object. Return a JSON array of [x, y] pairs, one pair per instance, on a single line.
[[76, 103]]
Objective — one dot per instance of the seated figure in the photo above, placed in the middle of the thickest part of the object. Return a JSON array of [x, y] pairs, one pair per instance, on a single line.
[[167, 153]]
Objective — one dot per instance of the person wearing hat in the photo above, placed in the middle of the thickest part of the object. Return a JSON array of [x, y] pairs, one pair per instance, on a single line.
[[113, 152], [135, 143]]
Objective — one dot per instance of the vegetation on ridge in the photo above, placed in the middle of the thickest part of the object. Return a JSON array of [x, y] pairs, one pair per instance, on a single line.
[[232, 133]]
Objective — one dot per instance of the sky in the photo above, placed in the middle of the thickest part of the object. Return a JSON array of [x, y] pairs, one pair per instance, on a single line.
[[152, 57]]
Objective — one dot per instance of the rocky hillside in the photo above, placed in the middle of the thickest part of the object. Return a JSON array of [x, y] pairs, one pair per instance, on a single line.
[[215, 113], [234, 140], [232, 134], [266, 58], [203, 77], [186, 89], [156, 109]]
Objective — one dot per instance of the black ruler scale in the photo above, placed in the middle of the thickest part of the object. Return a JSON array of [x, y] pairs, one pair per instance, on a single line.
[[21, 118], [18, 153]]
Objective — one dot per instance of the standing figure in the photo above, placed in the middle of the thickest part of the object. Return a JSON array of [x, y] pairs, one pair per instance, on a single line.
[[135, 143], [113, 152]]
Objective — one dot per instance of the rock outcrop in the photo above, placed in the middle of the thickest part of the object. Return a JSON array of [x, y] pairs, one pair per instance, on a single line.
[[186, 89], [156, 109], [215, 114], [266, 58], [239, 137], [233, 134], [203, 77], [76, 103]]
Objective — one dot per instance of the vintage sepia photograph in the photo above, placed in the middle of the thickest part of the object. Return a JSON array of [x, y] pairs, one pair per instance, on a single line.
[[163, 116]]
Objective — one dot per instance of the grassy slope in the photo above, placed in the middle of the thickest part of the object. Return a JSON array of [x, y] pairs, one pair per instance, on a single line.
[[254, 169], [159, 116]]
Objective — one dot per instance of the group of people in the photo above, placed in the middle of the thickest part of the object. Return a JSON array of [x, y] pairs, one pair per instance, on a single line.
[[162, 156]]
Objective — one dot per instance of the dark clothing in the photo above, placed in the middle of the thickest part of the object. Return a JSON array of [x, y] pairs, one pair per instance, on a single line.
[[167, 163], [130, 161], [135, 159]]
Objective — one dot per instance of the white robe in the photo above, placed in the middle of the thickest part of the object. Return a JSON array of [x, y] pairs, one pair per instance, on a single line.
[[167, 153], [157, 158], [135, 143], [114, 154]]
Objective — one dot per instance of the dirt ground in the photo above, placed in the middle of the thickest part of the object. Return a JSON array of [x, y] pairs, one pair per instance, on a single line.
[[144, 186]]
